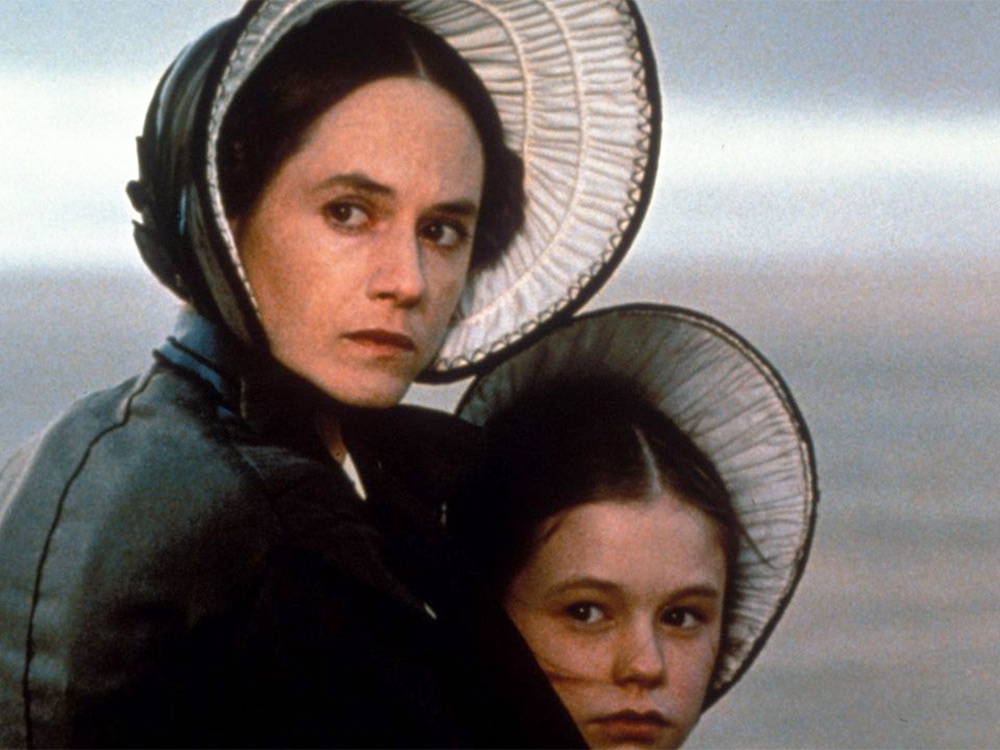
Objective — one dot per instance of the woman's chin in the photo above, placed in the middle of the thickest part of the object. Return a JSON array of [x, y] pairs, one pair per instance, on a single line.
[[363, 387], [368, 392]]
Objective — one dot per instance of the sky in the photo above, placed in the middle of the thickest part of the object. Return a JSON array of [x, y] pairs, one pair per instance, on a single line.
[[790, 129]]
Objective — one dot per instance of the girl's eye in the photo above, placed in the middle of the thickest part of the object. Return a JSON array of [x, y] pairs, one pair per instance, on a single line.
[[444, 234], [344, 214], [585, 612], [682, 617]]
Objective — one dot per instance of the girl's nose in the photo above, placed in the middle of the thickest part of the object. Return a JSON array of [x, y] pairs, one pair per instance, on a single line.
[[641, 658]]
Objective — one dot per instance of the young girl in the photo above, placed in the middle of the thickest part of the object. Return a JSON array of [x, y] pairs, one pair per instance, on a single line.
[[645, 513]]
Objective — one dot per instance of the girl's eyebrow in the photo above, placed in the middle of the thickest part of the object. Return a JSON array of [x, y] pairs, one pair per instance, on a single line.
[[461, 209], [580, 582], [700, 590]]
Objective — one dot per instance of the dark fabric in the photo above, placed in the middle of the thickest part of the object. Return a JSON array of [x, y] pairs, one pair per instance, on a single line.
[[177, 237], [171, 574]]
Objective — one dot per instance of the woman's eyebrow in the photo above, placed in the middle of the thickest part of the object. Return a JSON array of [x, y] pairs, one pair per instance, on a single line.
[[358, 181], [362, 182]]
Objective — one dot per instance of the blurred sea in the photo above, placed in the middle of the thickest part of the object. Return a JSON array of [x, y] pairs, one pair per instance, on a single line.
[[893, 639]]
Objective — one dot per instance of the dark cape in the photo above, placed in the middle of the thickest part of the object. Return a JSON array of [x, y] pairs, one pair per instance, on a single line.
[[180, 567]]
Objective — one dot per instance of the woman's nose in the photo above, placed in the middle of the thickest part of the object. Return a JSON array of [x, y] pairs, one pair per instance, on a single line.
[[396, 269], [641, 658]]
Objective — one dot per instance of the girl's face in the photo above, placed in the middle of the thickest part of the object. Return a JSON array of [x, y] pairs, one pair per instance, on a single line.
[[358, 248], [621, 603]]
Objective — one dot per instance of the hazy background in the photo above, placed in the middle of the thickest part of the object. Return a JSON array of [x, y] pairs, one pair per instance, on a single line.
[[829, 186]]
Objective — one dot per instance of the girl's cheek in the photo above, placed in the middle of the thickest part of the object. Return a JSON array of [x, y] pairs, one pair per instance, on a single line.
[[571, 657]]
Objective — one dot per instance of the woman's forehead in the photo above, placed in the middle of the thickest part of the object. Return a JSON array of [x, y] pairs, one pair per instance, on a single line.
[[397, 127]]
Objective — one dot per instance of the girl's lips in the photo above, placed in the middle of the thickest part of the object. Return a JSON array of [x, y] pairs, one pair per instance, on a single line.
[[378, 337], [637, 726]]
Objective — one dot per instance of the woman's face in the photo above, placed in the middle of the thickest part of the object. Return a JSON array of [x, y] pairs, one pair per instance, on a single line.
[[358, 248], [621, 603]]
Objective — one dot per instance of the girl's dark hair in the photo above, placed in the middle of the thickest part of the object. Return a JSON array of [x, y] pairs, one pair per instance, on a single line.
[[569, 444], [341, 49]]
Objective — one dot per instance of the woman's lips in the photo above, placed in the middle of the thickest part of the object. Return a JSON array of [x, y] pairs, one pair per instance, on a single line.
[[382, 341], [637, 726]]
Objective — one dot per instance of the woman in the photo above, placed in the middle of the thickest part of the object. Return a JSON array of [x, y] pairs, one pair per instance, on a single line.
[[242, 546], [644, 513]]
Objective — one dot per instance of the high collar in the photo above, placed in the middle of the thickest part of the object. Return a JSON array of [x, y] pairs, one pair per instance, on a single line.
[[411, 459], [204, 349], [251, 386], [280, 406]]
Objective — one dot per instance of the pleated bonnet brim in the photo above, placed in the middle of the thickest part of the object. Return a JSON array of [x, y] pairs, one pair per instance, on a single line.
[[575, 84], [735, 407]]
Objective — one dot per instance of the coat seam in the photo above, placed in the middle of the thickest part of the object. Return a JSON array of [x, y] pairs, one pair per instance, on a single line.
[[36, 590]]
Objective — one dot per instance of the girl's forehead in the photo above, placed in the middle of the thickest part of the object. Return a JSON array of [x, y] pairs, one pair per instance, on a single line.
[[657, 544]]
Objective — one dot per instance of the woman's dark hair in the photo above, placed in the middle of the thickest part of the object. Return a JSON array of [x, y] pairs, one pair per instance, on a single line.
[[569, 444], [339, 50]]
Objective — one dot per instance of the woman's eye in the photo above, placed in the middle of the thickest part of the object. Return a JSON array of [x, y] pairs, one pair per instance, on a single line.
[[444, 234], [585, 612], [349, 215]]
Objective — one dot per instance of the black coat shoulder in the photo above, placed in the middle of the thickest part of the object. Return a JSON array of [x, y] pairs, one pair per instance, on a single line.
[[127, 525], [172, 577], [430, 451]]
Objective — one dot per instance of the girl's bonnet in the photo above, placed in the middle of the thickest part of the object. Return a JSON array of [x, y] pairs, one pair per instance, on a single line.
[[737, 410]]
